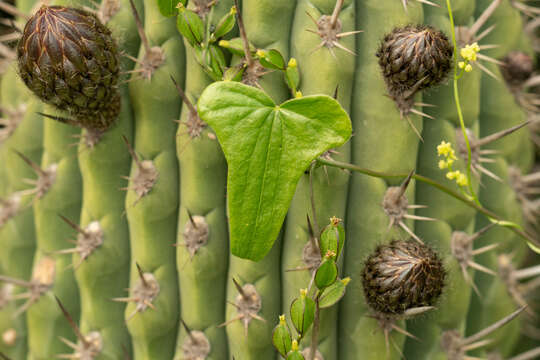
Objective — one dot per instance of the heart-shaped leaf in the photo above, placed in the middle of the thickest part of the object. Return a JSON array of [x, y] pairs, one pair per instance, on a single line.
[[268, 148]]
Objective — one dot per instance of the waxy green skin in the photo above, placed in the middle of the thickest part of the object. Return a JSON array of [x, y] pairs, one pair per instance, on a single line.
[[104, 274], [329, 184], [382, 142], [100, 170], [452, 215], [515, 150], [152, 220], [268, 25], [203, 178], [17, 236], [46, 323], [499, 111]]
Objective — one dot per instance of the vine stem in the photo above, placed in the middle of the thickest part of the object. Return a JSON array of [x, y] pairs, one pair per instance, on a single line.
[[315, 331], [458, 104], [435, 184]]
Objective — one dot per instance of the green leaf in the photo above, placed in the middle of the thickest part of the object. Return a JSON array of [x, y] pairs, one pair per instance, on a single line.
[[281, 337], [225, 25], [267, 148], [332, 294], [295, 355], [168, 7], [302, 312], [190, 25], [271, 59], [326, 274], [236, 46]]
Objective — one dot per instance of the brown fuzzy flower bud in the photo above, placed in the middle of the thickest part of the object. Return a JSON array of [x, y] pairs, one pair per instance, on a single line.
[[402, 275], [413, 58], [68, 58]]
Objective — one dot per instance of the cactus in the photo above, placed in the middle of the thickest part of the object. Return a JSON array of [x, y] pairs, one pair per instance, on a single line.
[[198, 156]]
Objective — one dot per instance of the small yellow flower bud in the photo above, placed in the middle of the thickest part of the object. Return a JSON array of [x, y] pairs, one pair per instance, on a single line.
[[443, 164], [261, 53], [292, 63], [468, 68], [451, 175], [224, 43], [298, 94], [461, 64], [233, 10], [303, 292], [281, 319], [444, 148], [462, 180], [294, 346], [346, 280]]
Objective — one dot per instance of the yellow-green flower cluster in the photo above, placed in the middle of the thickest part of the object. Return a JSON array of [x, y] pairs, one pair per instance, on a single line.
[[445, 149], [457, 175], [468, 53]]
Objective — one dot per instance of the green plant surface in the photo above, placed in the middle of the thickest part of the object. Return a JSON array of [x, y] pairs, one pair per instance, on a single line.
[[202, 271], [383, 142], [17, 235], [46, 323], [514, 151], [281, 146], [452, 216], [101, 172], [508, 30], [152, 216], [330, 185], [267, 25]]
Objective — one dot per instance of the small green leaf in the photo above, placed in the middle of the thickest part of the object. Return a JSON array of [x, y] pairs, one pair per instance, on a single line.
[[332, 294], [268, 148], [225, 25], [295, 355], [333, 237], [233, 73], [168, 7], [190, 25], [217, 60], [236, 46], [281, 337], [271, 59], [327, 273], [302, 312]]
